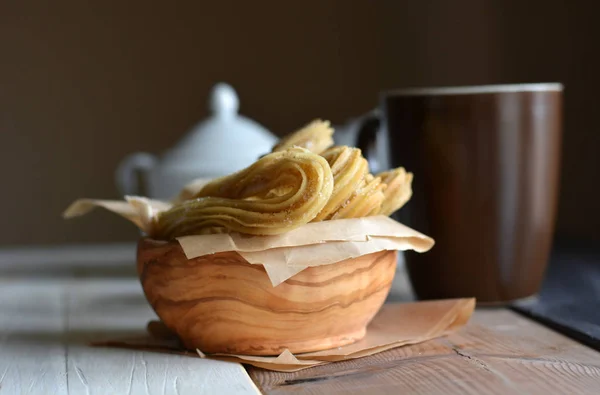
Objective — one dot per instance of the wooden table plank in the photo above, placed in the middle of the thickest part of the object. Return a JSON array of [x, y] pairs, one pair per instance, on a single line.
[[499, 352], [46, 326], [68, 261], [513, 334], [101, 309], [31, 319]]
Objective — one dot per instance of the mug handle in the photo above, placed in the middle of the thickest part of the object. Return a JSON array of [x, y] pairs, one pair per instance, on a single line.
[[367, 140], [126, 174]]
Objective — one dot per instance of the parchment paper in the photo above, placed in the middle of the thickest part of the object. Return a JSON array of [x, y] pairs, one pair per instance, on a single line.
[[396, 324], [313, 244], [139, 210]]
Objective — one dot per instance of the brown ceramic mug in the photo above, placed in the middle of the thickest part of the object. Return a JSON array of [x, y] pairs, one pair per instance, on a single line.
[[486, 163]]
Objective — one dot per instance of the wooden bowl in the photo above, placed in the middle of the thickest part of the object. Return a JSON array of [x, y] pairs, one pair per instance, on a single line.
[[220, 303]]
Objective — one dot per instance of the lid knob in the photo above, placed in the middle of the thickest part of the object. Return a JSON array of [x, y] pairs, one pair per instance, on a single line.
[[223, 100]]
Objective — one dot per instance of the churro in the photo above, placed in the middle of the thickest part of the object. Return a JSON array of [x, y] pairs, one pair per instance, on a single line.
[[349, 168], [398, 190], [279, 192], [316, 137], [365, 201]]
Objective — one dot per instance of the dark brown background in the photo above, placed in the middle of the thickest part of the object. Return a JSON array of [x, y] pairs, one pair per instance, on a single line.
[[82, 85]]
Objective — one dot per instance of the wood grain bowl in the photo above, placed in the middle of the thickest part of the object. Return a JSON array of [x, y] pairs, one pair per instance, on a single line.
[[220, 303]]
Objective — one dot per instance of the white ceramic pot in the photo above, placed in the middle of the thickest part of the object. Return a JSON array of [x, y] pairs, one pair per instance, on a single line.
[[220, 145]]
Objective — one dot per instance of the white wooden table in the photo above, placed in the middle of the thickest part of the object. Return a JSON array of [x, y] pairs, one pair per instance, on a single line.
[[54, 301]]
